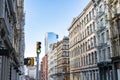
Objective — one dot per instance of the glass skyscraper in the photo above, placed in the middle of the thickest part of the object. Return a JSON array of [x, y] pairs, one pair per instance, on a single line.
[[50, 38]]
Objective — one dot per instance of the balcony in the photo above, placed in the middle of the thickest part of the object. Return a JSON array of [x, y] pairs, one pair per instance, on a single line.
[[116, 51], [99, 14], [100, 45], [11, 6], [115, 13], [104, 64], [4, 52], [114, 35], [96, 1], [100, 28]]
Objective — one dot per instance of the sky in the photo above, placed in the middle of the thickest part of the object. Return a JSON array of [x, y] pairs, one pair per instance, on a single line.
[[43, 16]]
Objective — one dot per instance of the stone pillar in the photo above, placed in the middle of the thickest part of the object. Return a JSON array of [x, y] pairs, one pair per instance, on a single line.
[[96, 75], [7, 68], [81, 77], [114, 72], [89, 75], [92, 75], [94, 57], [109, 74], [3, 68], [88, 59], [73, 76], [84, 75], [99, 74]]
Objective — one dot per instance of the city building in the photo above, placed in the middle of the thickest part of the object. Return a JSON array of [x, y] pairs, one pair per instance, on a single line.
[[50, 38], [12, 39], [31, 71], [41, 72], [103, 40], [63, 69], [52, 62], [82, 46], [113, 16], [44, 68], [20, 37]]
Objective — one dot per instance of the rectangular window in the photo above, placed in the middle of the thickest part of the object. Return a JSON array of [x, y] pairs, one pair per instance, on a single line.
[[94, 41], [87, 18], [118, 23], [90, 15], [107, 35], [102, 38], [104, 54], [88, 30], [101, 23], [95, 57], [109, 52], [91, 28], [100, 56], [89, 62], [100, 9], [92, 12]]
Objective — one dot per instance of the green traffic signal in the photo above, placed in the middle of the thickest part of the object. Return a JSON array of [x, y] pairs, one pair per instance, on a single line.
[[38, 47], [38, 51]]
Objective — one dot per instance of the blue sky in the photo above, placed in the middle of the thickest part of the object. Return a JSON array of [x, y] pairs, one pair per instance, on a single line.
[[43, 16]]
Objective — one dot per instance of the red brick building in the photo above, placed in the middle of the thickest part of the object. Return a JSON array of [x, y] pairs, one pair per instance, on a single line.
[[41, 71], [44, 68]]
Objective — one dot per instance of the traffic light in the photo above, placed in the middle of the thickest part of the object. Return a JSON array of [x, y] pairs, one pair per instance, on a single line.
[[29, 61], [38, 46], [32, 61]]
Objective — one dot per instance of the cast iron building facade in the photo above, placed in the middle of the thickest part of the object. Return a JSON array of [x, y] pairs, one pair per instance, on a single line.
[[103, 40], [114, 23], [11, 39]]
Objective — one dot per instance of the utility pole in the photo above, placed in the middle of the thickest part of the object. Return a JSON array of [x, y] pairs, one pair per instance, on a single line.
[[38, 51], [37, 67]]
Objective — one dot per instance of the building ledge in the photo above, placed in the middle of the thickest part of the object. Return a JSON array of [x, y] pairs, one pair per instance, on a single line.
[[104, 64], [115, 58]]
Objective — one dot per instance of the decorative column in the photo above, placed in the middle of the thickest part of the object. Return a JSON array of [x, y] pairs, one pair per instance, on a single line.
[[89, 75], [92, 76], [114, 72]]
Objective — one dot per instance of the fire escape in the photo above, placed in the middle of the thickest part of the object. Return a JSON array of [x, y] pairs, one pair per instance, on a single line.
[[114, 22], [114, 17], [102, 44]]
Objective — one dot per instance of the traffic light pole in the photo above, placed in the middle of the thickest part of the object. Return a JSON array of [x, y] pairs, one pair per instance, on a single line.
[[38, 51], [37, 67]]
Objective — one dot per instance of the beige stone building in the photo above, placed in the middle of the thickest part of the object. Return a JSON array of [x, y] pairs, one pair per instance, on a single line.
[[82, 46], [63, 59], [52, 62]]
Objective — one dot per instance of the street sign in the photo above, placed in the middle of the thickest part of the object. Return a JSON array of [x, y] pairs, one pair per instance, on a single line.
[[37, 58]]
